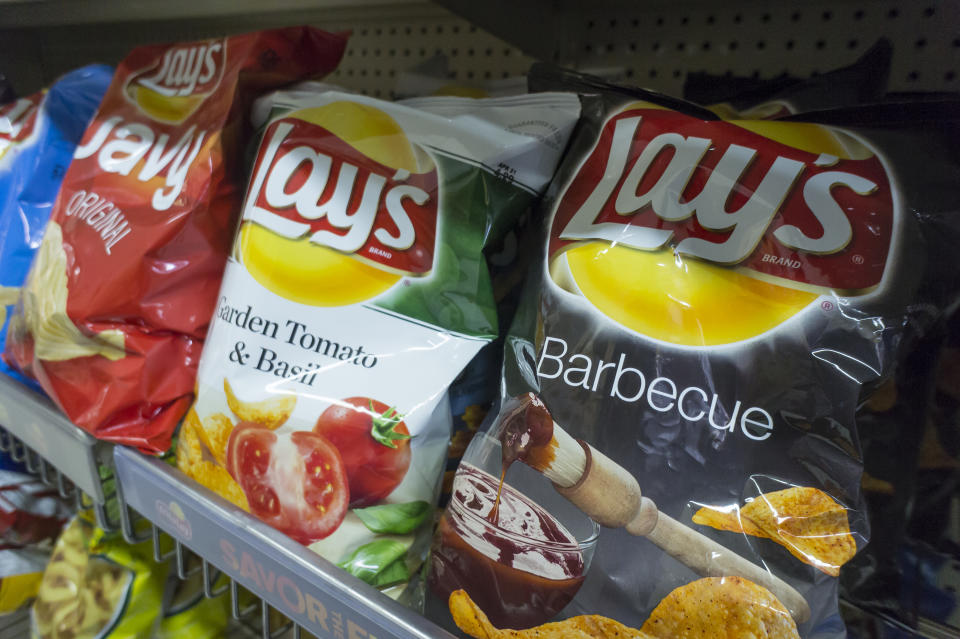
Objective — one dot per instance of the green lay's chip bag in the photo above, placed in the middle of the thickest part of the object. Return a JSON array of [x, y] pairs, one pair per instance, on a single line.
[[357, 290]]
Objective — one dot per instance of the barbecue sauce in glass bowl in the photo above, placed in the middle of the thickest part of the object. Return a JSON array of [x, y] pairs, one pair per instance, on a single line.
[[515, 559]]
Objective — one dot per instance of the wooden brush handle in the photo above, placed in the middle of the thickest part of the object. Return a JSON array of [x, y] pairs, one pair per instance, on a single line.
[[610, 496], [710, 559], [606, 492]]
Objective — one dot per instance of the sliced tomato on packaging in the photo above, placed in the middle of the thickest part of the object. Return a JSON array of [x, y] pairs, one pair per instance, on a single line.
[[249, 446], [293, 481]]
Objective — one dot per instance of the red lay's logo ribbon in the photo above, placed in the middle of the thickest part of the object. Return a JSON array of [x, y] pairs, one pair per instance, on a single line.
[[310, 184], [817, 212]]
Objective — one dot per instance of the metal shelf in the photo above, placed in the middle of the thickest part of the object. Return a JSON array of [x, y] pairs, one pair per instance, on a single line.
[[15, 624], [312, 592], [35, 432]]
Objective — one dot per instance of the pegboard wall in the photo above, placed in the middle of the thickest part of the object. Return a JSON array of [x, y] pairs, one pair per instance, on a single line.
[[658, 45], [380, 52], [384, 44], [654, 43]]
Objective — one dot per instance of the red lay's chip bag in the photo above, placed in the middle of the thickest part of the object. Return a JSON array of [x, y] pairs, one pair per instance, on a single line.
[[117, 303]]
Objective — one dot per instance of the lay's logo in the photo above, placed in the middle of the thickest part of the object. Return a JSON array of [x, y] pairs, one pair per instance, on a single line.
[[345, 180], [819, 216], [17, 120], [175, 85], [707, 233]]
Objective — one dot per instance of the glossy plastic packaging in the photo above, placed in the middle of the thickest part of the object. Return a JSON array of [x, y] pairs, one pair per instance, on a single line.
[[38, 135], [119, 297], [708, 304], [910, 435], [357, 291]]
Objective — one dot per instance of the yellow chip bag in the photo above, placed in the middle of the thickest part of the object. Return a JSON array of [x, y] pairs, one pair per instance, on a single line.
[[188, 614], [22, 569], [718, 608], [97, 586]]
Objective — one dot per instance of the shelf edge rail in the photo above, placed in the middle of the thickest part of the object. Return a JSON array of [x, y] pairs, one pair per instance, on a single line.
[[33, 431]]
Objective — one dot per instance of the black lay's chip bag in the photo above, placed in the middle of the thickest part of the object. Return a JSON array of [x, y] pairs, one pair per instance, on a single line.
[[710, 300], [910, 437]]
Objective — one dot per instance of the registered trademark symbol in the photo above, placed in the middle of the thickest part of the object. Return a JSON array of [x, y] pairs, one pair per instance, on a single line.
[[826, 305], [857, 259]]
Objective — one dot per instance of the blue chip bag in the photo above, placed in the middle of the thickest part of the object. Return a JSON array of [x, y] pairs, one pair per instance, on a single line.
[[38, 134]]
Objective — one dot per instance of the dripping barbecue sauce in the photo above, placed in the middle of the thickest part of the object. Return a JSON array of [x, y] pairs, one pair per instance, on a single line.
[[517, 562]]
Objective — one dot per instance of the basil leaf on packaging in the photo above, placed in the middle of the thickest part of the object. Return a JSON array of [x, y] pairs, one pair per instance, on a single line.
[[371, 559], [395, 573], [394, 519]]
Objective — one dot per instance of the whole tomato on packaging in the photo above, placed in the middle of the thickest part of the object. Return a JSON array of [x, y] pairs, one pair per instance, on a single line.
[[374, 444], [293, 481]]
